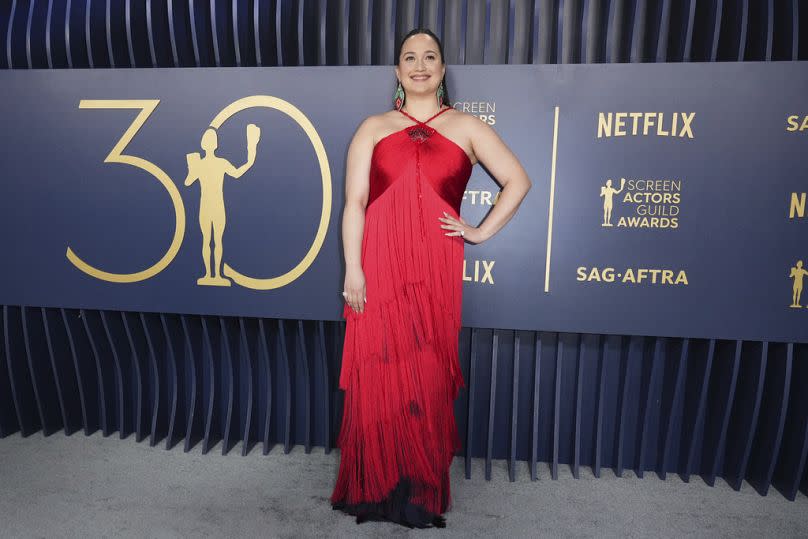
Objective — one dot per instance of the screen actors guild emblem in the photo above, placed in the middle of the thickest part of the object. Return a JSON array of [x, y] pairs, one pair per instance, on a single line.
[[210, 171], [797, 273], [608, 192]]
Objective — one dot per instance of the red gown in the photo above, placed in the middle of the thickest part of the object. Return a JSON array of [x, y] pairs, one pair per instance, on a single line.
[[400, 368]]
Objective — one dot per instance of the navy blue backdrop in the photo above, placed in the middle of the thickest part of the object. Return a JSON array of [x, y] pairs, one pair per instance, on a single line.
[[671, 197]]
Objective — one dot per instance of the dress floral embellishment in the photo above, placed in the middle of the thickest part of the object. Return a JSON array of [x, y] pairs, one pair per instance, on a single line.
[[420, 133]]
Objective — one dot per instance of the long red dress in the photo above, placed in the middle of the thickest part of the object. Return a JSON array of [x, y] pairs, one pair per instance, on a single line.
[[400, 368]]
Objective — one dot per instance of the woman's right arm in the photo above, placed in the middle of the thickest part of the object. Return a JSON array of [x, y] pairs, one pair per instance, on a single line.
[[357, 188]]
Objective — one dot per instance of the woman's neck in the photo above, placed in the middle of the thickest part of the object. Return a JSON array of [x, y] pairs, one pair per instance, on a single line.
[[421, 107]]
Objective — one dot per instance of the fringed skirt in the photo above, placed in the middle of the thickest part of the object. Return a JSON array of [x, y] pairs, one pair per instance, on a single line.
[[400, 368]]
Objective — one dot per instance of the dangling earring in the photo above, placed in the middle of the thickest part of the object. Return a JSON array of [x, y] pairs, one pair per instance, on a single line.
[[398, 98], [441, 93]]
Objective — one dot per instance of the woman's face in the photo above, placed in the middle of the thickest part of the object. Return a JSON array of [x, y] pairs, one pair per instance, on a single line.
[[420, 67]]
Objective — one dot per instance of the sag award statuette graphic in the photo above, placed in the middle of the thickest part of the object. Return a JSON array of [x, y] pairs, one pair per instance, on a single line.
[[797, 273], [210, 171], [608, 192]]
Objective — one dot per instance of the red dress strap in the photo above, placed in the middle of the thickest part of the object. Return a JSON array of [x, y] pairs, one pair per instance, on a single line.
[[427, 121]]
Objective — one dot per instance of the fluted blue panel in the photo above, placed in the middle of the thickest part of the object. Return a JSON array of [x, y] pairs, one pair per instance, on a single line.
[[40, 372], [103, 371], [22, 391]]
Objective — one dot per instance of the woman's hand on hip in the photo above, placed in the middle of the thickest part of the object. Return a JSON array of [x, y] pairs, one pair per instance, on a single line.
[[459, 227]]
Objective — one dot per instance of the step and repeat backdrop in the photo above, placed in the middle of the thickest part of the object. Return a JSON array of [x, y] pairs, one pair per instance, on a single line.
[[667, 200]]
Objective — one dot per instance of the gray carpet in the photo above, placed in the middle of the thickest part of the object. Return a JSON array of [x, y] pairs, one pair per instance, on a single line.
[[93, 486]]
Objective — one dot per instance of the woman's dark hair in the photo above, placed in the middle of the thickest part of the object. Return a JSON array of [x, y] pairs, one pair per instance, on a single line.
[[430, 33]]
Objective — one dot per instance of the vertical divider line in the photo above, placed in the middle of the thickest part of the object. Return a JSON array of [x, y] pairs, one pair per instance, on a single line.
[[552, 200]]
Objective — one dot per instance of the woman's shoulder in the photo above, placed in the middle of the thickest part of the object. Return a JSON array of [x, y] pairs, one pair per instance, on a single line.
[[372, 125], [465, 120]]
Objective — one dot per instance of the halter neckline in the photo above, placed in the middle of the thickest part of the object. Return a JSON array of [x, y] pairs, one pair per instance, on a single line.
[[427, 121]]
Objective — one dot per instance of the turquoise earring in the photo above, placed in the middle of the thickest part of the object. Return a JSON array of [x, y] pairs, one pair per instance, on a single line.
[[441, 94], [398, 98]]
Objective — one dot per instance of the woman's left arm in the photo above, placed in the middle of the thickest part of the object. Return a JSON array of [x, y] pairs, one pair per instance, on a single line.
[[503, 165]]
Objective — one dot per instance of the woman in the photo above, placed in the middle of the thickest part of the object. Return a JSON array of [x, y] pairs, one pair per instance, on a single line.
[[403, 237]]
